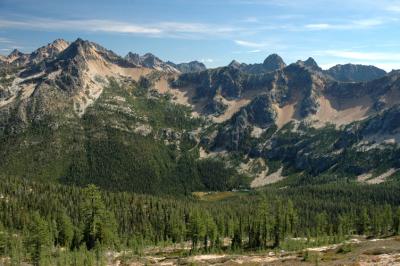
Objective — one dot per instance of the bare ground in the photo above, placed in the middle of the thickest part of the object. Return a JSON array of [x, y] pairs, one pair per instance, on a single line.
[[360, 252]]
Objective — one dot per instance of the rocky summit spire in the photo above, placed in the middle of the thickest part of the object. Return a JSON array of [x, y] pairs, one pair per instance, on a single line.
[[235, 64], [15, 53], [273, 62], [133, 58], [310, 63]]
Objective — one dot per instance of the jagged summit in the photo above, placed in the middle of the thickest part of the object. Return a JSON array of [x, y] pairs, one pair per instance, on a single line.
[[14, 53], [273, 62], [193, 66], [133, 58], [58, 44], [17, 58], [310, 63], [86, 50], [236, 64], [149, 60], [80, 47], [49, 51]]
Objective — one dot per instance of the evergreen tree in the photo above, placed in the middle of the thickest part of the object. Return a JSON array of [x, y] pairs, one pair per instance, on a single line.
[[197, 229], [321, 224], [99, 224], [65, 230], [396, 221], [16, 250], [3, 240], [39, 241], [364, 222]]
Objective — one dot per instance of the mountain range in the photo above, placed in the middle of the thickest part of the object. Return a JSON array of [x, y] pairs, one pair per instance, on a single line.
[[79, 113]]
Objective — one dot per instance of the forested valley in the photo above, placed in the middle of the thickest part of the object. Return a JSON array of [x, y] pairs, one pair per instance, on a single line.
[[52, 224]]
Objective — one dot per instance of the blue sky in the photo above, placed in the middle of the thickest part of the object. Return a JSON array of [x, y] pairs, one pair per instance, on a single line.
[[214, 31]]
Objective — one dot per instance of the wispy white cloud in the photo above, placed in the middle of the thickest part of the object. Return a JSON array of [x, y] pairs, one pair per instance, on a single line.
[[371, 56], [393, 7], [5, 40], [319, 26], [207, 60], [166, 29], [255, 51], [91, 25], [270, 45], [351, 25], [250, 44]]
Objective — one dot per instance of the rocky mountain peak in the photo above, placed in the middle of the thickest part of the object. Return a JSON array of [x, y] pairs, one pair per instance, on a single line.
[[60, 44], [87, 50], [77, 48], [149, 60], [133, 58], [15, 53], [273, 62], [310, 63], [17, 58], [355, 73], [49, 51], [193, 66], [235, 64]]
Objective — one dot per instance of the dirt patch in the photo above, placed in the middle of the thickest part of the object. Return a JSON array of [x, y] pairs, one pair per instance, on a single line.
[[284, 114], [206, 257], [369, 178], [264, 179], [364, 177], [341, 111], [360, 252], [382, 178], [380, 260]]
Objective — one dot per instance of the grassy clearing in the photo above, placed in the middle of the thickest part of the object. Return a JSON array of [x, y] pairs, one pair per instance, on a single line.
[[218, 196]]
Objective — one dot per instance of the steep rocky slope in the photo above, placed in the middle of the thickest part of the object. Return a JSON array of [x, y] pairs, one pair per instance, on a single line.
[[81, 113]]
